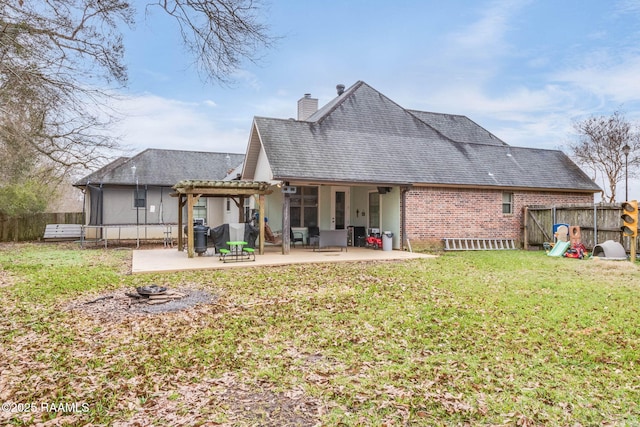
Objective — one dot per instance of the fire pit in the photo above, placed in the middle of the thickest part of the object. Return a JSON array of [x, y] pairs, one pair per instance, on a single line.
[[154, 294], [151, 290], [122, 303]]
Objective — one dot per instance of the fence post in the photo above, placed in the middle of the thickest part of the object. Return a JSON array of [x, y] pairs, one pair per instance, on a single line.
[[525, 242], [595, 225]]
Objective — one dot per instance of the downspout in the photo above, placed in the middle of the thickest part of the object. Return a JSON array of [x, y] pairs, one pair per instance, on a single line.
[[84, 203], [101, 207], [161, 210], [595, 224], [146, 205], [146, 209], [403, 213], [84, 212]]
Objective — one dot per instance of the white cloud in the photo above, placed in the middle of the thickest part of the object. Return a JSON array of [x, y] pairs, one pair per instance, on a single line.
[[282, 107], [614, 79], [627, 6], [538, 111], [486, 38], [516, 104], [246, 78], [550, 131], [150, 121]]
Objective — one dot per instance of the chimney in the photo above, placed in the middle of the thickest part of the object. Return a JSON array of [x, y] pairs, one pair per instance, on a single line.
[[340, 89], [307, 106]]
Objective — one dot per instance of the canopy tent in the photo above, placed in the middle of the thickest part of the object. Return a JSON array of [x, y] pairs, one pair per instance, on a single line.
[[189, 191]]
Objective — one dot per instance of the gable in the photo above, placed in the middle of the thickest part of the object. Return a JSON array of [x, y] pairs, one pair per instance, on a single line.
[[256, 165]]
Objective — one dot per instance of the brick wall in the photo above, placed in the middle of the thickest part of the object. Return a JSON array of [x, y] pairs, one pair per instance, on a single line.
[[434, 213]]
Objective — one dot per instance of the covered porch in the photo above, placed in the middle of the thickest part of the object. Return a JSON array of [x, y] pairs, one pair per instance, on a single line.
[[360, 208]]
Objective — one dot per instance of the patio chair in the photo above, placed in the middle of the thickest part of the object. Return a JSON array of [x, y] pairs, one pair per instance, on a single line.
[[296, 236], [314, 236]]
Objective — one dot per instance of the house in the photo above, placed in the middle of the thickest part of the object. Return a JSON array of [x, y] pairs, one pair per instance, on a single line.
[[366, 163], [134, 192]]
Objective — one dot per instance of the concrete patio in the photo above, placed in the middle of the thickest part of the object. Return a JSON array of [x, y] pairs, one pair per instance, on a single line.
[[170, 259]]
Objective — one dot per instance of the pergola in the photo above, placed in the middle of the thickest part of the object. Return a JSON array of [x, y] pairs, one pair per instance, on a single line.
[[189, 191]]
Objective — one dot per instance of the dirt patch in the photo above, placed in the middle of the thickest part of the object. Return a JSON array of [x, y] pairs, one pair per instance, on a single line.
[[227, 401], [116, 306]]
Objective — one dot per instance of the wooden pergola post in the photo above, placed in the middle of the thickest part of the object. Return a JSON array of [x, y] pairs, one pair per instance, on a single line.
[[181, 203], [286, 224], [241, 217], [261, 222], [190, 203]]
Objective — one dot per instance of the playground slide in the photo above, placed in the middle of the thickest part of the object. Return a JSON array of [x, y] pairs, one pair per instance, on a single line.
[[559, 248]]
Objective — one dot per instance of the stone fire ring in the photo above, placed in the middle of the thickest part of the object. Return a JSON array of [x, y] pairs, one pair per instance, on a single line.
[[151, 290]]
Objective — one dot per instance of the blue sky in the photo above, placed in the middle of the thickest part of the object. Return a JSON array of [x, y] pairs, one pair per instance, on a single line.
[[525, 70]]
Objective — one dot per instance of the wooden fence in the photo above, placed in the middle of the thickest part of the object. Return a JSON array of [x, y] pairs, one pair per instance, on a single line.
[[598, 223], [31, 227]]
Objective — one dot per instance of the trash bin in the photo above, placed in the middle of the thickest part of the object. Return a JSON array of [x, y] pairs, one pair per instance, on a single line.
[[387, 241], [200, 238]]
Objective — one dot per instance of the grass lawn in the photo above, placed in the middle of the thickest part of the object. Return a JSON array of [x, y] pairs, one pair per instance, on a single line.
[[477, 338]]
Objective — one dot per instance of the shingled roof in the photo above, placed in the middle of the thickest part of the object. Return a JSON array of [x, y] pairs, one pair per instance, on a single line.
[[165, 168], [364, 137], [458, 128]]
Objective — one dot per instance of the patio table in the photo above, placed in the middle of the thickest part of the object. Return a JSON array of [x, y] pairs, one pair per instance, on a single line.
[[237, 252]]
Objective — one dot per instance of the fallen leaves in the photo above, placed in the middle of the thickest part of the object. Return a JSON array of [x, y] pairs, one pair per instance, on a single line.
[[415, 343], [225, 401]]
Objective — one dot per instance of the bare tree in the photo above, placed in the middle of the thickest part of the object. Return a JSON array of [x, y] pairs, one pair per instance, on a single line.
[[220, 34], [61, 61], [53, 59], [600, 148]]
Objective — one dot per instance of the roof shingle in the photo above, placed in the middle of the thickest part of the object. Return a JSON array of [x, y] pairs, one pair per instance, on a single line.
[[364, 137], [165, 168]]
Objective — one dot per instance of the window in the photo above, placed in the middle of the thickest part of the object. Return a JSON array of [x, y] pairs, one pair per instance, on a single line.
[[304, 207], [139, 198], [247, 208], [374, 209], [200, 209], [507, 203]]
